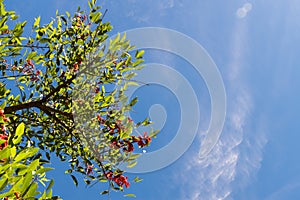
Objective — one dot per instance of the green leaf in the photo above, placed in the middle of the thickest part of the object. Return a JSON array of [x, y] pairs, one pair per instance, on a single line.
[[136, 63], [13, 151], [91, 5], [68, 14], [32, 190], [3, 183], [3, 105], [26, 153], [43, 196], [132, 164], [37, 21], [26, 182], [44, 169], [129, 195], [2, 9], [95, 17], [133, 83], [134, 156], [49, 194], [19, 133], [4, 153], [31, 55], [50, 185], [137, 179], [33, 165], [6, 194], [44, 40], [133, 101], [139, 54], [2, 141]]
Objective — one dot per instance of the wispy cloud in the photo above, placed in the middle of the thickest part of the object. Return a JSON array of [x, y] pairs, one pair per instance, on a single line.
[[237, 156], [213, 175], [243, 11]]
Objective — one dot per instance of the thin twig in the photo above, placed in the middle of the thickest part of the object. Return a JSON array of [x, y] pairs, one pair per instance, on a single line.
[[28, 46]]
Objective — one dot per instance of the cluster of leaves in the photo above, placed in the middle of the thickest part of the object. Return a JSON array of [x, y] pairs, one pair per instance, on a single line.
[[22, 169], [65, 87]]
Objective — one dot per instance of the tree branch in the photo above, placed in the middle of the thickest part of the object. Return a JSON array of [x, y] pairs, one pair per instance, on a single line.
[[68, 82], [57, 120], [22, 106], [44, 107]]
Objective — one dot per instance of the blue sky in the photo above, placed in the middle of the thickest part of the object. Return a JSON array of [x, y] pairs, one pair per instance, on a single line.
[[255, 45]]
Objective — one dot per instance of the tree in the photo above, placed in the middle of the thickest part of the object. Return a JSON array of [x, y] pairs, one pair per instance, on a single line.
[[62, 94]]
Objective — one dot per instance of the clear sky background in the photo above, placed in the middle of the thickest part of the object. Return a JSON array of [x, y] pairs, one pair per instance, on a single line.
[[256, 47]]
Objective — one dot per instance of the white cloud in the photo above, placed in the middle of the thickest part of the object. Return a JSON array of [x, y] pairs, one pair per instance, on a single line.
[[238, 154], [243, 11], [213, 175], [167, 4], [234, 160]]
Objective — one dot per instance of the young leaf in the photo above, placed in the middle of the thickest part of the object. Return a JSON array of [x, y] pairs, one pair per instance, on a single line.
[[133, 101], [139, 54], [27, 153], [19, 133], [50, 185], [137, 179], [37, 21], [129, 195]]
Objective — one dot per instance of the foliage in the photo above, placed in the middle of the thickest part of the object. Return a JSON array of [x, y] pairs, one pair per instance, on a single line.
[[22, 169], [63, 94]]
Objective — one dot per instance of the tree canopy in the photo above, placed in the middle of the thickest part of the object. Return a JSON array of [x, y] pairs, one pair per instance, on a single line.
[[62, 93]]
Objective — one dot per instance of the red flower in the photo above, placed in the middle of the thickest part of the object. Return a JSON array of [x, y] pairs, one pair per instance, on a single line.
[[129, 148], [142, 141], [97, 90], [120, 180], [34, 78], [1, 112], [3, 128], [38, 72], [109, 175], [101, 120], [89, 169], [3, 137], [76, 67], [17, 195], [147, 138], [29, 62], [115, 144], [6, 119]]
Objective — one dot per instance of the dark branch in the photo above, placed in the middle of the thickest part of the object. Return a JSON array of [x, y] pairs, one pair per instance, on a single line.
[[22, 106], [57, 120], [68, 82], [43, 107]]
